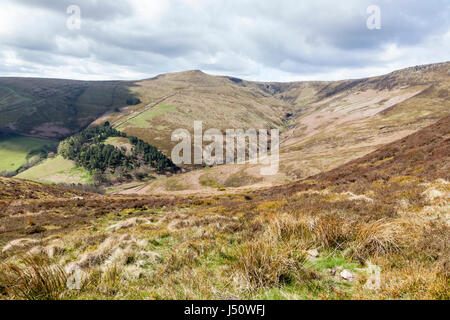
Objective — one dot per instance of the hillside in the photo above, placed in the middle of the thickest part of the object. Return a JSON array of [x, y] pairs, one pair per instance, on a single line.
[[424, 154], [328, 237], [176, 100], [419, 157], [55, 108], [330, 124], [323, 124], [98, 155], [57, 170], [15, 189]]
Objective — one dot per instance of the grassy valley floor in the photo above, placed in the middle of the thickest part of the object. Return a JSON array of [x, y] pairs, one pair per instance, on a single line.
[[57, 170], [18, 150]]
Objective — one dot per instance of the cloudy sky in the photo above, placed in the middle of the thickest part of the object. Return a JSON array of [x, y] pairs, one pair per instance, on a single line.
[[280, 40]]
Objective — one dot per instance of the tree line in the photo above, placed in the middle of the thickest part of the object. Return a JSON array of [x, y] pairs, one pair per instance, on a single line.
[[88, 150]]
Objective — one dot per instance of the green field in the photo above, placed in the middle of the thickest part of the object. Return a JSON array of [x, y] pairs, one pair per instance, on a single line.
[[57, 170], [17, 150], [142, 120]]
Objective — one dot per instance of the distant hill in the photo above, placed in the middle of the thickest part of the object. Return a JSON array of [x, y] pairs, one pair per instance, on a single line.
[[175, 100], [424, 154], [328, 125], [352, 118], [323, 124], [54, 108], [147, 247]]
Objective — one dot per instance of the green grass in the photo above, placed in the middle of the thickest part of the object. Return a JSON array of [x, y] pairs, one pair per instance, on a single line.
[[57, 170], [332, 260], [313, 289], [15, 151], [141, 120]]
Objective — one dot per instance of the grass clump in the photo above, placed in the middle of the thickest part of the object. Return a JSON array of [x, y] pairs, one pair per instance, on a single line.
[[35, 278], [266, 264], [377, 238], [331, 231]]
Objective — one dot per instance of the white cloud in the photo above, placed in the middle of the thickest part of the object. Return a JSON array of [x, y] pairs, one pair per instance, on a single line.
[[257, 40]]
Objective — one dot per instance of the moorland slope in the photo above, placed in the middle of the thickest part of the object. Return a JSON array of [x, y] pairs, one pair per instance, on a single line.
[[328, 237]]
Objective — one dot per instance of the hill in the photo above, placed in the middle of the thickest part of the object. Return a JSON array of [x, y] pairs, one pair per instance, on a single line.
[[424, 154], [176, 100], [353, 118], [330, 124], [383, 236], [12, 189], [419, 157], [17, 151], [56, 108], [323, 124]]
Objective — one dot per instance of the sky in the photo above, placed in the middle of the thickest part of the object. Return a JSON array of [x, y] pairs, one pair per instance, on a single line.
[[261, 40]]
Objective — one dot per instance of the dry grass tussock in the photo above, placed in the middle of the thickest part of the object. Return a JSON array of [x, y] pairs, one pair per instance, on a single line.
[[331, 231], [276, 256], [268, 263], [376, 238], [414, 280], [33, 278]]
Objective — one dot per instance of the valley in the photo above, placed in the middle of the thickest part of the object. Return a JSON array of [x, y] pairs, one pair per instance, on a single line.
[[322, 124], [362, 189], [330, 123], [319, 238]]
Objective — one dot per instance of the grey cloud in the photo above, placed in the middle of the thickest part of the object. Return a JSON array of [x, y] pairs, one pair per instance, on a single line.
[[245, 37], [91, 9]]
